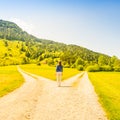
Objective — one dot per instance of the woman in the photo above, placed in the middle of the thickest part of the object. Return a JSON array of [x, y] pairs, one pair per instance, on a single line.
[[59, 70]]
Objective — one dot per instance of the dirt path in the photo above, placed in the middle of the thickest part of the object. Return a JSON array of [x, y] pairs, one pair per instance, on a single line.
[[41, 99]]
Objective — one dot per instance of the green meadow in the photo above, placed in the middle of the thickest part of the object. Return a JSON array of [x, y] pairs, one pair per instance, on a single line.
[[10, 79], [107, 86], [49, 72]]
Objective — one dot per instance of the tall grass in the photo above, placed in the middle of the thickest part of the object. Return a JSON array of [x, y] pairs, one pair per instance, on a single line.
[[49, 72], [10, 79], [107, 86]]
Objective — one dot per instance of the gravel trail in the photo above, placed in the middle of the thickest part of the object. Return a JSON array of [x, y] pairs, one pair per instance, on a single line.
[[41, 99]]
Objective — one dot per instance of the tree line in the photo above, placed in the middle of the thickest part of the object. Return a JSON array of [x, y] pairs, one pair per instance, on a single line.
[[19, 47], [19, 52]]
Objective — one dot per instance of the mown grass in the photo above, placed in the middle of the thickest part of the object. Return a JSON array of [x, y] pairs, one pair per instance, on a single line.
[[10, 79], [107, 86], [49, 72]]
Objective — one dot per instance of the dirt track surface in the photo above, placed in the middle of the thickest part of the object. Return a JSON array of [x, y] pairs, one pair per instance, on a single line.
[[41, 99]]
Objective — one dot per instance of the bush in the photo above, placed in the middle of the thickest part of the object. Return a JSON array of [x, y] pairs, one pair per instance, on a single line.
[[73, 66], [106, 68], [117, 69], [80, 67], [39, 63], [67, 66], [94, 68], [50, 61]]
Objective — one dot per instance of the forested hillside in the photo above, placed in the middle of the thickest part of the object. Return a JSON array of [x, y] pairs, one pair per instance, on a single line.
[[19, 47]]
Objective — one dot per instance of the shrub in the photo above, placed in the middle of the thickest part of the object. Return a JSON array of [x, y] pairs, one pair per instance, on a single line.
[[106, 68], [39, 63], [117, 69], [67, 66], [94, 68], [80, 67], [73, 66], [50, 61]]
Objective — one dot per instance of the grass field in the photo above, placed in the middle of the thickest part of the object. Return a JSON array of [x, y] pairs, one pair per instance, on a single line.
[[10, 79], [107, 86], [49, 72]]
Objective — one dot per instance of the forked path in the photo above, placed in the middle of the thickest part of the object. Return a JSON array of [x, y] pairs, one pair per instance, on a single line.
[[41, 99]]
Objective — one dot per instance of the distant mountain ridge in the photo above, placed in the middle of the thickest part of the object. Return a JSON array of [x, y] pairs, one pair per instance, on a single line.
[[11, 31], [31, 49]]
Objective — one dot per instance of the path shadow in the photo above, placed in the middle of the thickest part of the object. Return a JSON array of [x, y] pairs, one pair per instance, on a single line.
[[65, 86]]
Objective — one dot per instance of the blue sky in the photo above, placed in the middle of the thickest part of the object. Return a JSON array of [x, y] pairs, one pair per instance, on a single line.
[[94, 24]]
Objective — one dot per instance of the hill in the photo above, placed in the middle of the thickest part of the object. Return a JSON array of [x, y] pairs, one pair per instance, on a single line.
[[19, 47], [11, 31]]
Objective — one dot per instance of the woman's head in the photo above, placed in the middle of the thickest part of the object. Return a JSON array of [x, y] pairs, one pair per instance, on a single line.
[[59, 62]]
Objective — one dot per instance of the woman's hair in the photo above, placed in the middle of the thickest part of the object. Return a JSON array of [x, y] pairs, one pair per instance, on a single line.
[[60, 63]]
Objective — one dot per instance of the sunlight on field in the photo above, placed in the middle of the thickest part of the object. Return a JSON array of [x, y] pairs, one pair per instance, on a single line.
[[49, 72], [10, 79], [107, 86], [76, 82]]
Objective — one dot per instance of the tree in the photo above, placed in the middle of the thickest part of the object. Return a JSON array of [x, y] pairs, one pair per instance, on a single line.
[[79, 61], [50, 61], [113, 61], [101, 60], [117, 63]]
